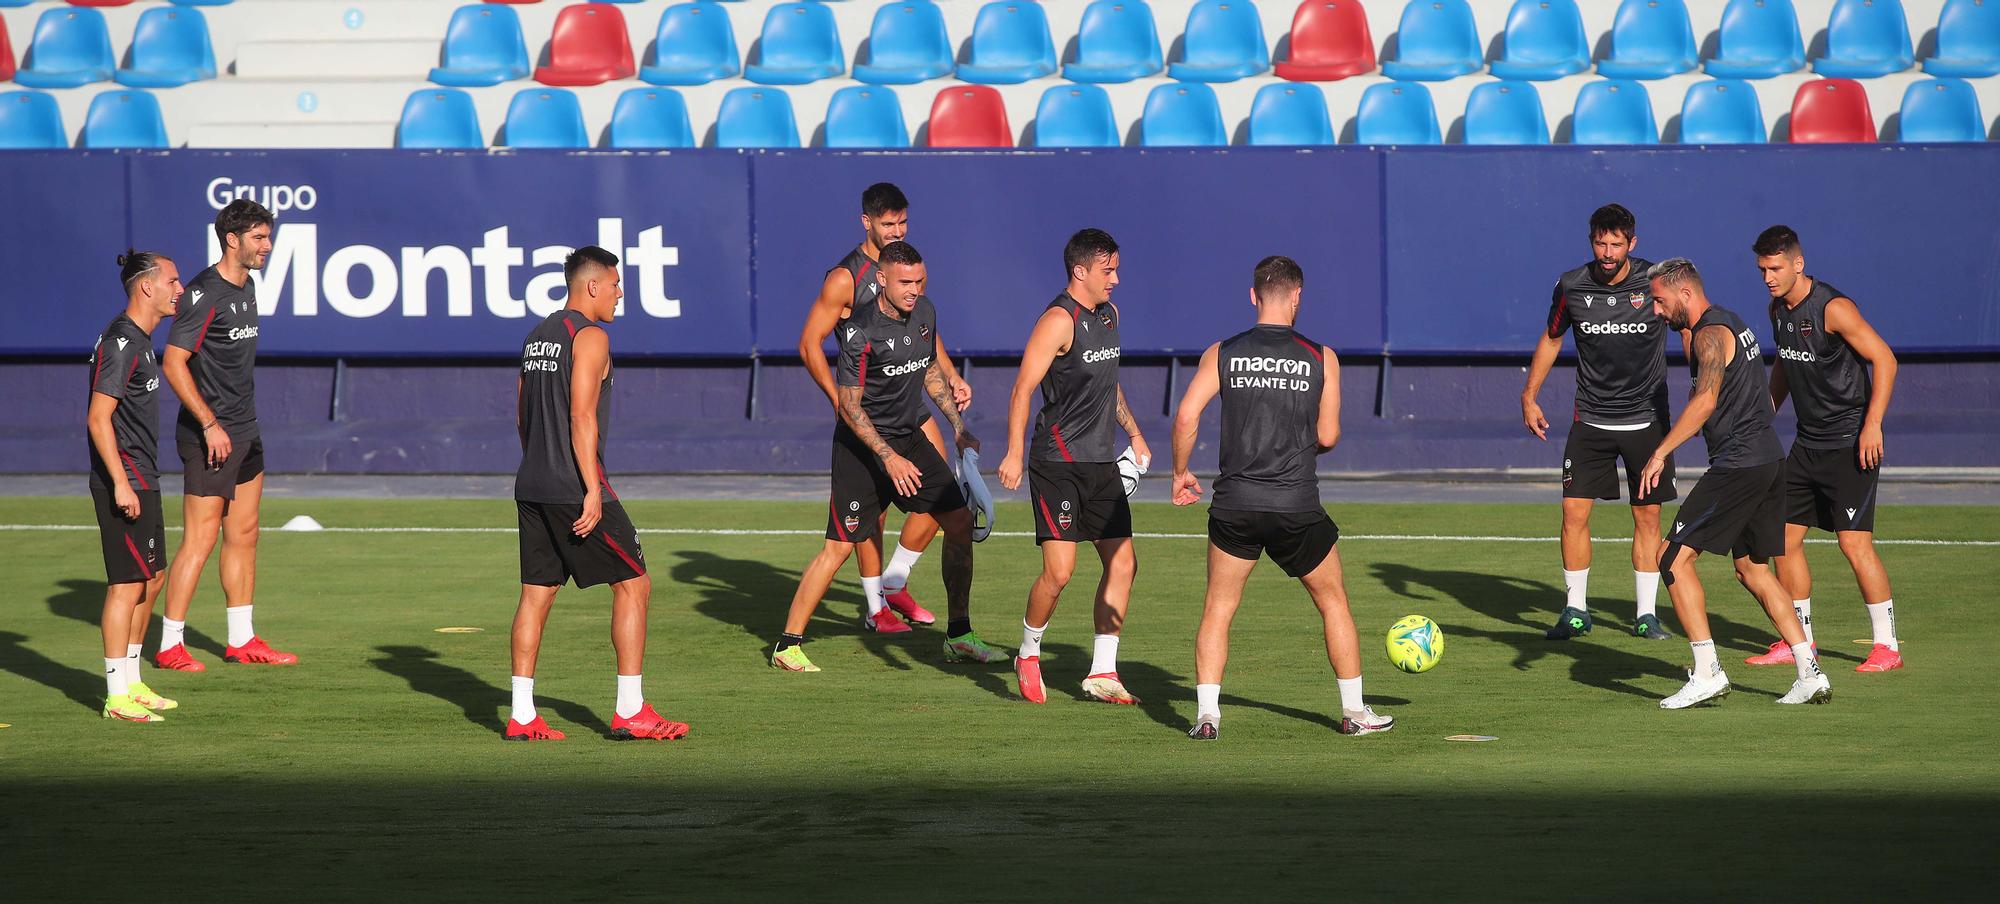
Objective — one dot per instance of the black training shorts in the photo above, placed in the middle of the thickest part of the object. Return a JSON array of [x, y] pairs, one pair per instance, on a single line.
[[1078, 501], [1736, 512], [1828, 489], [1590, 463], [552, 553], [861, 486], [135, 550], [1297, 541], [244, 464]]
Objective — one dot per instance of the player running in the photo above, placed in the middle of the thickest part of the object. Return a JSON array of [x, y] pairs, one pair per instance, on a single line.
[[124, 431], [1621, 412], [1079, 496], [1280, 411], [572, 526], [211, 363], [1839, 374], [885, 218], [1738, 507], [888, 364]]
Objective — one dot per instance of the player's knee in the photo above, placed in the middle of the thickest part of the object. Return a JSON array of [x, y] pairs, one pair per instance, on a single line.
[[1057, 574], [957, 525], [1669, 557], [1856, 544]]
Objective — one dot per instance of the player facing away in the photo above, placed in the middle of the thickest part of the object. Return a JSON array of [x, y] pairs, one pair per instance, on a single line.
[[851, 284], [1621, 412], [1280, 411], [124, 430], [211, 363], [1737, 509], [888, 365], [572, 526], [1077, 493], [1839, 375]]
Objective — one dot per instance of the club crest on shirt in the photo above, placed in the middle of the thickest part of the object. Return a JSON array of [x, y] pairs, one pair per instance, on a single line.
[[1806, 327], [1638, 299], [924, 330]]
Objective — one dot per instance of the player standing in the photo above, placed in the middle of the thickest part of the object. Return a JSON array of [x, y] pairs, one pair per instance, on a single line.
[[888, 364], [1738, 507], [572, 526], [124, 430], [1280, 410], [1078, 493], [211, 363], [1839, 375], [1621, 412]]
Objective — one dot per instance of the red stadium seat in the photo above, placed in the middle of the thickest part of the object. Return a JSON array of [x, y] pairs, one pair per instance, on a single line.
[[970, 116], [1831, 110], [6, 54], [589, 46], [1330, 41]]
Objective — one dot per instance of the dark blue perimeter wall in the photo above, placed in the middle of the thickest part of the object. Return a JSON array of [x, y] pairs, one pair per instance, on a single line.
[[402, 283]]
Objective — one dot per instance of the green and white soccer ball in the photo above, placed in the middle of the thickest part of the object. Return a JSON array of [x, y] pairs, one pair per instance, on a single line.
[[1415, 644]]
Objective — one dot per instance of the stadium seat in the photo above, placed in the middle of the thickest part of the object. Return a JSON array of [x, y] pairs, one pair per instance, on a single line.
[[1613, 111], [124, 119], [756, 118], [1866, 39], [30, 120], [482, 46], [1075, 116], [1397, 113], [1182, 114], [1943, 109], [694, 46], [865, 116], [1115, 42], [1968, 40], [800, 44], [650, 118], [1010, 44], [1505, 113], [1831, 110], [1758, 39], [1545, 41], [100, 2], [6, 54], [439, 118], [970, 116], [1223, 41], [1290, 115], [1724, 111], [906, 44], [544, 118], [1436, 40], [1650, 39], [170, 48], [588, 46], [1329, 41], [71, 48]]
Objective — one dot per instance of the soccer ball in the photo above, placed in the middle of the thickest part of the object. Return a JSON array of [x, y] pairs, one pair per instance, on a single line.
[[1415, 644]]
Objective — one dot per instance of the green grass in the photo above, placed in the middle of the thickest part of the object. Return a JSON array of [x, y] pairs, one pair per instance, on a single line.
[[374, 768]]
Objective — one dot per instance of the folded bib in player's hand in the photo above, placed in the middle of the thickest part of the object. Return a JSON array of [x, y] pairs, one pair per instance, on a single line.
[[1131, 467], [977, 497]]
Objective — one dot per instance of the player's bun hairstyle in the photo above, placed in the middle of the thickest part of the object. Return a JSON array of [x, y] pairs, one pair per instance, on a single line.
[[1276, 276], [1778, 239], [1675, 271], [1613, 218], [881, 198], [1085, 247], [241, 216], [134, 264], [585, 256], [900, 253]]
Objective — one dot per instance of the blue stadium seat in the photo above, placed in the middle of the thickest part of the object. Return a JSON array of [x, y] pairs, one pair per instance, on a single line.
[[1182, 114], [864, 116], [1010, 44], [1545, 40], [1435, 40], [1115, 42], [1290, 114], [71, 48], [756, 118], [30, 120], [483, 46], [1505, 113], [1866, 39], [170, 48], [1724, 111], [800, 44], [1758, 39], [1942, 109], [545, 118], [907, 44], [124, 119], [1397, 113], [650, 118], [694, 46], [1968, 40], [440, 118], [1222, 42], [1650, 39], [1613, 111], [1075, 116]]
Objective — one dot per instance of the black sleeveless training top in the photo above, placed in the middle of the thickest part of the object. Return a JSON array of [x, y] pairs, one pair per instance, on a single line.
[[1272, 380], [549, 470], [1079, 416]]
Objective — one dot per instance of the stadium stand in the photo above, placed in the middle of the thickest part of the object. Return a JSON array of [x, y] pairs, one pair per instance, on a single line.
[[865, 116], [1650, 39], [756, 118], [128, 118], [1290, 115], [1757, 39], [170, 48], [1505, 113], [1545, 40], [1076, 116], [1866, 39], [1329, 41], [800, 44], [907, 44], [969, 116], [1397, 113], [696, 44], [1115, 42], [1614, 111], [6, 54], [1182, 114], [1223, 41], [1831, 110], [1436, 40], [1944, 109], [70, 48], [1968, 40], [649, 118], [30, 120], [439, 119], [589, 46], [482, 46], [1010, 45], [1724, 111], [544, 118]]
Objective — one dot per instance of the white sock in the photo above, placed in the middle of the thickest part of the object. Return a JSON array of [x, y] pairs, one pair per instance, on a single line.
[[1804, 609], [240, 631], [1104, 654], [1208, 700], [1807, 660], [131, 663], [1882, 616], [1575, 582], [1350, 693], [1648, 585], [524, 700], [114, 678], [1031, 640], [172, 633], [872, 589], [1704, 658], [630, 697], [897, 575]]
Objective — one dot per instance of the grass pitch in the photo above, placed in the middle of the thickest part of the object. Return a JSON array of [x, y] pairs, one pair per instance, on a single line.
[[374, 768]]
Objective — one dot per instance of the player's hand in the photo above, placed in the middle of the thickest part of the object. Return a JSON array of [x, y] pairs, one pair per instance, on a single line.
[[1144, 452], [1650, 478], [1187, 490], [593, 512], [907, 477], [1010, 469], [219, 445], [126, 501], [961, 393], [1531, 414], [1871, 448], [967, 441]]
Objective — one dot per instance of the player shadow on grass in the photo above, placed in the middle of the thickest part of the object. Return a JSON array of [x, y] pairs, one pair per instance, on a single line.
[[83, 687], [84, 601], [478, 700]]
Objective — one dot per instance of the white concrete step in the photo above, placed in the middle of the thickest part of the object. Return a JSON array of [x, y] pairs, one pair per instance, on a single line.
[[331, 59], [292, 135]]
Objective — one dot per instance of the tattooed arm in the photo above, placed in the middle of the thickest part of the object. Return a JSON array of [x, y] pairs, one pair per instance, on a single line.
[[1714, 346], [937, 384], [905, 475]]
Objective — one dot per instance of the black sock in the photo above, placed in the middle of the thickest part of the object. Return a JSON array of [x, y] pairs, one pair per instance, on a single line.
[[788, 641], [958, 627]]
